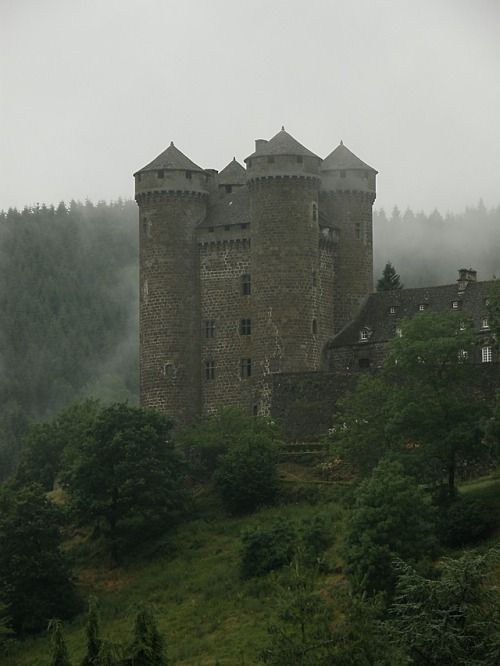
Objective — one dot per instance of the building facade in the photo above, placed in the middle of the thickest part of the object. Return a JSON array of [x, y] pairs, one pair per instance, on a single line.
[[248, 273]]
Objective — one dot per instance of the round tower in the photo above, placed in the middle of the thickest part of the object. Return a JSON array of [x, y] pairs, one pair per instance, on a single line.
[[171, 193], [347, 196], [283, 181]]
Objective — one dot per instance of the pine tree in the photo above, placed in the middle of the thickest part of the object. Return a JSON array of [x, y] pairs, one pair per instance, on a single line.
[[147, 648], [390, 280], [59, 655], [94, 642]]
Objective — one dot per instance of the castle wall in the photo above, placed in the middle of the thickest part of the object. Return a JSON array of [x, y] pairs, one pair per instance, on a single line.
[[351, 213], [169, 308], [223, 260]]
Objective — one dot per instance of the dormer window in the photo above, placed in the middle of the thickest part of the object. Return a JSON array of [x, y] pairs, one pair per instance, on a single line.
[[364, 334], [392, 309], [485, 323]]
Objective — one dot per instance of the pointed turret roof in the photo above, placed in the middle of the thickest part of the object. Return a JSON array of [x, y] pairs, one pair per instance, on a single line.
[[283, 143], [172, 158], [233, 174], [343, 158]]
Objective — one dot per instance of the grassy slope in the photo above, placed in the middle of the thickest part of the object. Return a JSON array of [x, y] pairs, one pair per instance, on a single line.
[[208, 615]]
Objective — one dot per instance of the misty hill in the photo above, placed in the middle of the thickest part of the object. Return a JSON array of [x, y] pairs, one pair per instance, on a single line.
[[68, 297]]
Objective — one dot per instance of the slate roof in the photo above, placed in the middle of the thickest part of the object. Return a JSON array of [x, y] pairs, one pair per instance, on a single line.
[[172, 159], [231, 209], [343, 158], [375, 312], [233, 174], [283, 143]]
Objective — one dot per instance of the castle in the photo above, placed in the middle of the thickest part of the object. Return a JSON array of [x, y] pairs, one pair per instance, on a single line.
[[249, 273]]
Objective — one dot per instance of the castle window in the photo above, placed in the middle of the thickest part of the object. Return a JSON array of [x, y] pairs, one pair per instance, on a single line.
[[314, 326], [485, 323], [392, 309], [357, 231], [363, 335], [314, 279], [364, 363], [245, 327], [314, 212], [270, 159], [274, 365], [246, 367], [189, 175], [209, 370], [486, 355], [300, 159], [255, 410], [246, 284], [454, 305], [422, 307], [160, 173], [209, 328], [342, 174], [229, 189]]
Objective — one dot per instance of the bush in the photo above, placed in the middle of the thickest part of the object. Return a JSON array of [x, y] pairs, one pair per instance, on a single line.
[[316, 535], [266, 549], [465, 521], [247, 476]]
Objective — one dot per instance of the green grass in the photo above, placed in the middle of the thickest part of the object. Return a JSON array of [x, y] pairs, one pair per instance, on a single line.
[[206, 612]]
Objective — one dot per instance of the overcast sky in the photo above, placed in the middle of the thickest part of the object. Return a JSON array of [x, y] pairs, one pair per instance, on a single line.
[[92, 90]]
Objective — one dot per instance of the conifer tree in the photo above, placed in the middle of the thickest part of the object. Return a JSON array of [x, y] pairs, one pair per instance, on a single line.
[[92, 630], [390, 280], [59, 655], [147, 648]]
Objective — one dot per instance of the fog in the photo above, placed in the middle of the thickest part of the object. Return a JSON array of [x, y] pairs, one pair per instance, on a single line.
[[92, 90]]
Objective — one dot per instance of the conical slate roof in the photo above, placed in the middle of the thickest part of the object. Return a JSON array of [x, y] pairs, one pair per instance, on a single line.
[[283, 144], [172, 158], [342, 158], [233, 174]]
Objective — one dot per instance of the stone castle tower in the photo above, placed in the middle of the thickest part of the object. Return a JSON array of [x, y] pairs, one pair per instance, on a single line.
[[248, 272]]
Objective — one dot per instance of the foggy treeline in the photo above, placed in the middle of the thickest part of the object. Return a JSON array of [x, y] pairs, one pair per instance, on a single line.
[[429, 249], [69, 288]]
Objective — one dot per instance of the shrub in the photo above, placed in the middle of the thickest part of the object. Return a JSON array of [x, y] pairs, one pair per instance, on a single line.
[[465, 521], [247, 476], [266, 549]]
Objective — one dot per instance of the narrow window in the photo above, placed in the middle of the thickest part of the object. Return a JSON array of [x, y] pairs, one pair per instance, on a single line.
[[363, 335], [209, 328], [245, 327], [246, 367], [485, 323], [314, 326], [229, 189], [486, 355], [392, 309], [255, 410], [314, 279], [189, 175], [454, 305], [246, 284], [314, 212], [357, 231], [209, 370], [160, 173]]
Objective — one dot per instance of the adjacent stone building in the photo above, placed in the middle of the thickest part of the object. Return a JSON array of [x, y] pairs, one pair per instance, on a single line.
[[248, 273]]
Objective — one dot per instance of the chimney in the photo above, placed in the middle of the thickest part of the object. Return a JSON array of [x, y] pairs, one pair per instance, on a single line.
[[259, 144], [465, 275]]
